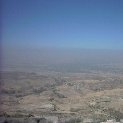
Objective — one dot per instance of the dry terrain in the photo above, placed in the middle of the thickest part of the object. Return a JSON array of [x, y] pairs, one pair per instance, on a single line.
[[94, 95]]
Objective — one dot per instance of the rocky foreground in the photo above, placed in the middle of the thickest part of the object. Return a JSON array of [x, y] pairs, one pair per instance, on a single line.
[[53, 119]]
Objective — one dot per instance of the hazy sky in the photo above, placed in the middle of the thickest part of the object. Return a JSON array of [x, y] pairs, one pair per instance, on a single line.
[[63, 23]]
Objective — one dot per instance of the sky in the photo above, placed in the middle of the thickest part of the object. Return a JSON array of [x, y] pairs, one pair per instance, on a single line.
[[88, 24]]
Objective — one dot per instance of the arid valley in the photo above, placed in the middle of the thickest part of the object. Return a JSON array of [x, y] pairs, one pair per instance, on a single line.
[[61, 94]]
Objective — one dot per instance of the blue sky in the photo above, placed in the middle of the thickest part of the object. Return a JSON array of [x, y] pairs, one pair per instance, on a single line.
[[94, 24]]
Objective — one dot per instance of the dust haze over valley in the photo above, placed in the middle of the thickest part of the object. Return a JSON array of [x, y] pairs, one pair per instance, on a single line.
[[62, 59]]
